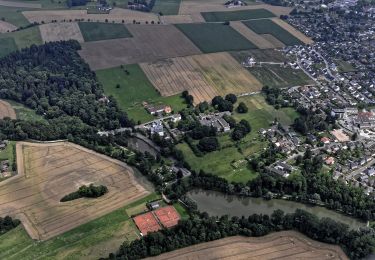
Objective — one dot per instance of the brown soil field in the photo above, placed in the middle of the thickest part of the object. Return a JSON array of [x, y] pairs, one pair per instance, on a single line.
[[6, 27], [49, 171], [197, 6], [299, 35], [279, 245], [149, 43], [6, 110], [253, 37], [52, 32], [20, 4], [204, 76], [273, 40], [116, 15]]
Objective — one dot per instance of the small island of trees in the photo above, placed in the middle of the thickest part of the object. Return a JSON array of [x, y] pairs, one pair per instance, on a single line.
[[84, 191]]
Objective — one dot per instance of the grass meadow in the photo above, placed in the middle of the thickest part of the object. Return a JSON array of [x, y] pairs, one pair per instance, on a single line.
[[167, 7], [237, 15], [92, 31], [134, 89]]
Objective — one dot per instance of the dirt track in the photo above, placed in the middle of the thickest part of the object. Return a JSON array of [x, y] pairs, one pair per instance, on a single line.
[[6, 110], [149, 43], [52, 32], [279, 245], [47, 172], [6, 27]]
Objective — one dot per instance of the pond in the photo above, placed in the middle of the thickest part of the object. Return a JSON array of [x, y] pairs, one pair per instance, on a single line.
[[217, 204]]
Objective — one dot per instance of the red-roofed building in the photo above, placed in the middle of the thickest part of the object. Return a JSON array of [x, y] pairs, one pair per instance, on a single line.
[[325, 140]]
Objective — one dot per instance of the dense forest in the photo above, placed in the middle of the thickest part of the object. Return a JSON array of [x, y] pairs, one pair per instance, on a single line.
[[53, 80], [84, 191], [7, 224], [202, 228]]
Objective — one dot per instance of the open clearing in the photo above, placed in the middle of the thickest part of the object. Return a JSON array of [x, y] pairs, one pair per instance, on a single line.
[[149, 43], [47, 172], [237, 15], [285, 244], [103, 31], [267, 26], [52, 32], [6, 27], [6, 110], [215, 37], [204, 76], [20, 4], [116, 15]]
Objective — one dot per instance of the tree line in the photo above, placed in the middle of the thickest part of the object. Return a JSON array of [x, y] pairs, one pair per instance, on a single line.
[[202, 228], [7, 223], [84, 191]]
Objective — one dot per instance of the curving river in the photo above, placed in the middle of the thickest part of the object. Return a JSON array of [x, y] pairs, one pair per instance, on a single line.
[[217, 204]]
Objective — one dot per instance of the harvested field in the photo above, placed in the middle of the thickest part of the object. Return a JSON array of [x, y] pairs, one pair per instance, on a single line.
[[253, 37], [292, 31], [47, 172], [285, 244], [237, 15], [197, 6], [215, 37], [53, 32], [6, 110], [175, 19], [204, 76], [273, 40], [149, 43], [20, 4], [168, 216], [6, 27], [147, 223], [267, 26], [116, 15]]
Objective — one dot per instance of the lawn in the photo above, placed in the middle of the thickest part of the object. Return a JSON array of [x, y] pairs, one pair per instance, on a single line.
[[237, 15], [344, 66], [8, 45], [266, 26], [215, 37], [13, 15], [90, 241], [25, 113], [166, 7], [22, 39], [181, 210], [134, 89], [277, 76], [93, 31], [260, 115]]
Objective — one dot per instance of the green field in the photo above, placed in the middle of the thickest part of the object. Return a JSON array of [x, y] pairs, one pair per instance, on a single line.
[[166, 7], [93, 31], [236, 15], [277, 76], [92, 240], [134, 89], [21, 39], [8, 154], [215, 37], [344, 66], [266, 26], [24, 113], [7, 45], [13, 15], [260, 115]]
